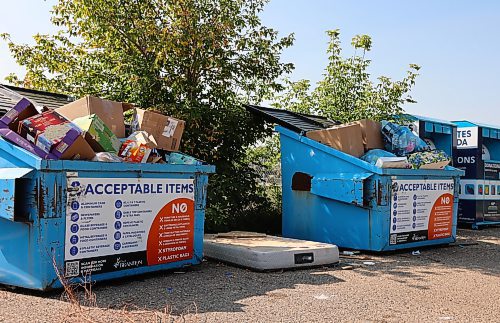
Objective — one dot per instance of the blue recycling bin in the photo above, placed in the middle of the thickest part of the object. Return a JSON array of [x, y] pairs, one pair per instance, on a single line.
[[478, 154], [437, 133], [333, 197], [83, 220]]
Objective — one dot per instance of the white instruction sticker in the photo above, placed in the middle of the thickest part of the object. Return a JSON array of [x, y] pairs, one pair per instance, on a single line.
[[169, 129], [122, 223]]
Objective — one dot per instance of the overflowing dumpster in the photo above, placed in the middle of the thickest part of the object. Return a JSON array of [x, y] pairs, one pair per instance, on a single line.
[[478, 154], [331, 196], [79, 220]]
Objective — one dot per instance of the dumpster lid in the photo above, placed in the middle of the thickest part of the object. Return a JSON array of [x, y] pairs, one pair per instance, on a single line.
[[15, 172], [297, 122]]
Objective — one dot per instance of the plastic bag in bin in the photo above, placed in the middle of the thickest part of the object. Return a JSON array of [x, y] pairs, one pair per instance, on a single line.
[[400, 140]]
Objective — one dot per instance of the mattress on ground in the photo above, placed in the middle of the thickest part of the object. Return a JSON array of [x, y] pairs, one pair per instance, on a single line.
[[263, 252]]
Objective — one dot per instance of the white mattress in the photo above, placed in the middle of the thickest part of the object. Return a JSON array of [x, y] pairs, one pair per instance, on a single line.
[[263, 252]]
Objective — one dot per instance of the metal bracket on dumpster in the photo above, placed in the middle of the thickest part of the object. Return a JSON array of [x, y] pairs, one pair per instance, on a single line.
[[344, 187], [8, 179]]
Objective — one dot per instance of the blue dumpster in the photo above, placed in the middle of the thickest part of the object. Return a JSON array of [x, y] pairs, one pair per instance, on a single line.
[[478, 154], [332, 197], [94, 220]]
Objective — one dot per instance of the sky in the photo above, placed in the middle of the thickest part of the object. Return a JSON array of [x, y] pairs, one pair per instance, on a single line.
[[454, 41]]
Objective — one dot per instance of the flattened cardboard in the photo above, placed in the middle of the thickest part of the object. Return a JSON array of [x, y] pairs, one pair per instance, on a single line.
[[110, 112], [346, 138], [166, 130], [97, 134], [436, 165]]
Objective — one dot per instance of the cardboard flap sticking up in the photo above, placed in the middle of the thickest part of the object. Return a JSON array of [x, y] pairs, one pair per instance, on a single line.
[[166, 130], [346, 138], [110, 112], [143, 138], [98, 135]]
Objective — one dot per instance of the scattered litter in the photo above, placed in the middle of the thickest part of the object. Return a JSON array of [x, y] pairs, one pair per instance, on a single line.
[[446, 318], [228, 275], [415, 253], [322, 296], [467, 244], [170, 290], [347, 267], [350, 253], [369, 263]]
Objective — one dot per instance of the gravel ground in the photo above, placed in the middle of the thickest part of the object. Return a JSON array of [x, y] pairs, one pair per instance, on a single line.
[[459, 283]]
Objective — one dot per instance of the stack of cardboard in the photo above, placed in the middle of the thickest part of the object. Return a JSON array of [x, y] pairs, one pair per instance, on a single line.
[[88, 126], [353, 138]]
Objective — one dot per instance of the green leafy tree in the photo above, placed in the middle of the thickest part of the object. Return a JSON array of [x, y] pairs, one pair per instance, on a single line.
[[346, 92], [194, 59]]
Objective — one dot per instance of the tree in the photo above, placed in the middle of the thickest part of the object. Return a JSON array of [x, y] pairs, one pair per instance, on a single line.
[[347, 93], [198, 60]]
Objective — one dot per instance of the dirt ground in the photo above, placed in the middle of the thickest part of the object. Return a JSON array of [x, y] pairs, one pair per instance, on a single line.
[[459, 283]]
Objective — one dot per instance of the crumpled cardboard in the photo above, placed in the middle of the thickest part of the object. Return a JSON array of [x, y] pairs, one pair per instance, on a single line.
[[166, 130]]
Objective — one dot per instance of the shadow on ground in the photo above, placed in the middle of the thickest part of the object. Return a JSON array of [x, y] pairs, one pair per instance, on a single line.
[[215, 287], [475, 250]]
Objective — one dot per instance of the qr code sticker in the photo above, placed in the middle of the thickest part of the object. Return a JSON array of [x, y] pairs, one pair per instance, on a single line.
[[72, 269], [393, 239]]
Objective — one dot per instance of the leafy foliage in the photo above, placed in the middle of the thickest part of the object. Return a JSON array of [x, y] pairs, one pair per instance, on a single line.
[[194, 59], [347, 93]]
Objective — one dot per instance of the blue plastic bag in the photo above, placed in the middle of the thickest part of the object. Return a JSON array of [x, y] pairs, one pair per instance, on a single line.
[[401, 140], [373, 155]]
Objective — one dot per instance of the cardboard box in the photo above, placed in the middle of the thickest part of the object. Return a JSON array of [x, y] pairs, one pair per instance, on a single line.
[[97, 134], [166, 130], [56, 135], [110, 112], [137, 147], [436, 165], [16, 139], [22, 110], [372, 135], [346, 138]]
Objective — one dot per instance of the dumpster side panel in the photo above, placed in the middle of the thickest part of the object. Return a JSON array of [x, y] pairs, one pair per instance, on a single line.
[[55, 235], [312, 217], [368, 219]]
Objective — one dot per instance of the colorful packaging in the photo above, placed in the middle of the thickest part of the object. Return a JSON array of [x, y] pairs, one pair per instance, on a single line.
[[54, 134], [137, 147], [98, 135], [22, 110], [16, 139]]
